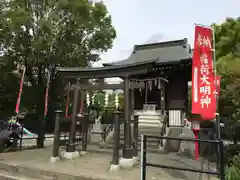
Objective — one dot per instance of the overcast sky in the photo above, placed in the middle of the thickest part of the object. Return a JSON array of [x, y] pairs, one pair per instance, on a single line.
[[141, 21]]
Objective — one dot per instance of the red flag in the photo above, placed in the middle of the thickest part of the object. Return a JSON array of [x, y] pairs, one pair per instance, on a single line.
[[203, 86]]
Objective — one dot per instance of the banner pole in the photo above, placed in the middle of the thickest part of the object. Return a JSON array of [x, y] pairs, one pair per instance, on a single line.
[[216, 85], [218, 134]]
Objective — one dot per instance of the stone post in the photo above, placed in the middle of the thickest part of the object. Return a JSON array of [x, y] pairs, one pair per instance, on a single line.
[[135, 133], [115, 158], [56, 140], [85, 124]]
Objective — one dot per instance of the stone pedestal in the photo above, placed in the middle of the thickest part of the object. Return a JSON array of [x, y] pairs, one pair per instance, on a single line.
[[54, 159], [128, 163], [114, 168], [70, 155]]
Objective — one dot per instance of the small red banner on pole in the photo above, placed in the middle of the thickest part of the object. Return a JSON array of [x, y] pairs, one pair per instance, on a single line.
[[218, 79], [203, 76], [46, 100], [20, 92]]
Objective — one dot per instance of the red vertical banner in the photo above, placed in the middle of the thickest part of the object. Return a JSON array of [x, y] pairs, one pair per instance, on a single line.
[[203, 76]]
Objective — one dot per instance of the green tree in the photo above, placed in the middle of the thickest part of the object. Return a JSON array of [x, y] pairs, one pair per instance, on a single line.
[[53, 33], [228, 67], [8, 90], [227, 38], [100, 98]]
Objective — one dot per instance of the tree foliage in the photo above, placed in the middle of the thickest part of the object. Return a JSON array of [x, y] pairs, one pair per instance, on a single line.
[[227, 38], [65, 32], [8, 91], [228, 67], [39, 34]]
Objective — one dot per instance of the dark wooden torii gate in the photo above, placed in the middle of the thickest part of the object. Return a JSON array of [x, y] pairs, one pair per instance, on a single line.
[[121, 71]]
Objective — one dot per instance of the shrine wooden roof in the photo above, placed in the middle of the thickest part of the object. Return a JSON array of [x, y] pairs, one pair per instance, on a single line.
[[109, 71], [142, 58], [166, 52]]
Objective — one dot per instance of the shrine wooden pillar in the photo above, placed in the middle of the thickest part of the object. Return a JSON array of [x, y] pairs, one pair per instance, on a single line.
[[132, 93], [146, 93], [128, 151], [127, 124]]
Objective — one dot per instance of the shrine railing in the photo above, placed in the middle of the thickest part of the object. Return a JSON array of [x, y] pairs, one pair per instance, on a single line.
[[144, 163], [11, 135]]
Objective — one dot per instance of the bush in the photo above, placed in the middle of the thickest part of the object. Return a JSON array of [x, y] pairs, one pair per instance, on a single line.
[[231, 151], [233, 170], [232, 173]]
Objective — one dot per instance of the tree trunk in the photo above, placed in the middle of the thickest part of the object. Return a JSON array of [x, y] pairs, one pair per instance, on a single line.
[[40, 92]]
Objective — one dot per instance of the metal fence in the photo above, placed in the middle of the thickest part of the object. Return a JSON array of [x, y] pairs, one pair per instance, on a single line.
[[220, 160], [12, 137]]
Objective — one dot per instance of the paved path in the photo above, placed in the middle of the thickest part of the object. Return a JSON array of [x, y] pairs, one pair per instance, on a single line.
[[95, 164]]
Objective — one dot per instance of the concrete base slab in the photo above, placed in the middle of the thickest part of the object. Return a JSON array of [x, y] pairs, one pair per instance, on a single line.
[[128, 163], [114, 168], [70, 155], [54, 159], [27, 164]]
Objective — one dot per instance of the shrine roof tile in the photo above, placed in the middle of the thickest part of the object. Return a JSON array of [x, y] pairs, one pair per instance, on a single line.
[[166, 53]]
